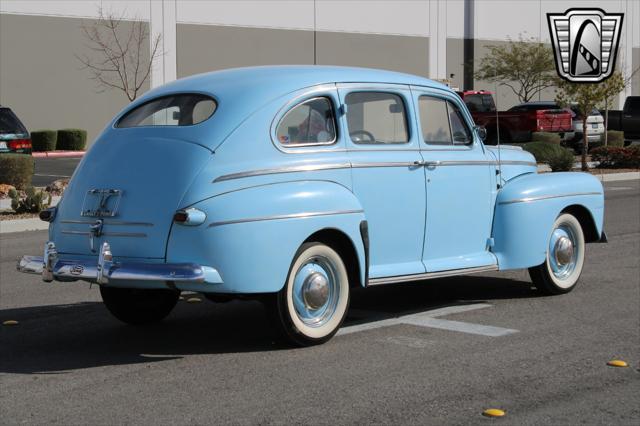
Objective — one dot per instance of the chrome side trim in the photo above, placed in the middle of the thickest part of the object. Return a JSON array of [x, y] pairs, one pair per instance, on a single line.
[[384, 164], [292, 169], [284, 216], [109, 234], [431, 275], [114, 222], [333, 166], [547, 197]]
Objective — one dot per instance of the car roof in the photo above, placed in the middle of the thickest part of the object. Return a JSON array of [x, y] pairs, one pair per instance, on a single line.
[[263, 83]]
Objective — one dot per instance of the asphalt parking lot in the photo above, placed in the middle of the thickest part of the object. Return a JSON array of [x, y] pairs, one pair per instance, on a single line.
[[437, 352], [49, 169]]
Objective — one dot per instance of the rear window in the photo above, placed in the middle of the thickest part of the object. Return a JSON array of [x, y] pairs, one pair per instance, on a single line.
[[174, 110], [9, 123], [480, 103]]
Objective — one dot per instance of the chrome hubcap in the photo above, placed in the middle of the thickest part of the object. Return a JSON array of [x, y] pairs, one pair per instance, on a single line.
[[315, 291], [563, 254], [563, 251]]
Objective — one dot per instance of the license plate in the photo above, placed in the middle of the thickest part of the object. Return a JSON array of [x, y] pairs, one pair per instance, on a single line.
[[594, 125], [3, 145], [101, 202]]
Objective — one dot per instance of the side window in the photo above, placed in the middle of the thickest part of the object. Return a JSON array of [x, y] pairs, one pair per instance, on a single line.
[[310, 123], [459, 130], [376, 118], [434, 120]]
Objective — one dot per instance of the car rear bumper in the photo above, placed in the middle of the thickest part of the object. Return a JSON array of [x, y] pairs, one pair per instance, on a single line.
[[122, 274]]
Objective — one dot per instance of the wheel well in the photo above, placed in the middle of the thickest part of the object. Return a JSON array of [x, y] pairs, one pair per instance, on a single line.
[[341, 243], [586, 221]]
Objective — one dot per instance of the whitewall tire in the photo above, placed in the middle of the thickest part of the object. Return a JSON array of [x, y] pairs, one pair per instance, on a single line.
[[314, 301], [565, 257]]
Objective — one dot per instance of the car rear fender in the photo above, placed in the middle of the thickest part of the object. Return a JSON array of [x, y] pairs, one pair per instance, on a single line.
[[527, 206], [251, 235]]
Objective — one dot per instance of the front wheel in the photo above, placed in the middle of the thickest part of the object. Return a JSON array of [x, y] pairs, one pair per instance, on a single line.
[[314, 301], [565, 257], [138, 306]]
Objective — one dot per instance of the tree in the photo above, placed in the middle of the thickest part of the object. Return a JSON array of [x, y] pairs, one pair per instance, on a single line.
[[584, 97], [525, 66], [118, 60]]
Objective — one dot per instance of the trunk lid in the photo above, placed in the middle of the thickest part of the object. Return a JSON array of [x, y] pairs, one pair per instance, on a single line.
[[127, 188]]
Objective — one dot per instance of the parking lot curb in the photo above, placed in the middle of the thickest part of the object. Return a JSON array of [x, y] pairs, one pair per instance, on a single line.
[[59, 154], [21, 225], [612, 177]]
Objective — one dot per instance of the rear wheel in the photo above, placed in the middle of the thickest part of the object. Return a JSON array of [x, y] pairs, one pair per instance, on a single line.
[[313, 303], [565, 257], [138, 306]]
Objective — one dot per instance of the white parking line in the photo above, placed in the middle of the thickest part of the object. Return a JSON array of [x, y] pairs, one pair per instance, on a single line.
[[618, 188], [429, 319]]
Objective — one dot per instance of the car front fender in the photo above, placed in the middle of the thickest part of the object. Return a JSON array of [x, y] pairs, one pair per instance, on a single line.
[[527, 206]]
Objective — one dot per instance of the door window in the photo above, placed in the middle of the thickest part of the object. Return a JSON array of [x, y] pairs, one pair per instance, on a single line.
[[442, 123], [376, 118]]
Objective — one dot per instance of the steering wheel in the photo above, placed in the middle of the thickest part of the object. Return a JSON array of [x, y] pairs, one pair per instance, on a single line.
[[357, 136]]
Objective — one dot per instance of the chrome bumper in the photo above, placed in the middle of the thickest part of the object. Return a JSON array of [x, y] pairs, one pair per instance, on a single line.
[[106, 270]]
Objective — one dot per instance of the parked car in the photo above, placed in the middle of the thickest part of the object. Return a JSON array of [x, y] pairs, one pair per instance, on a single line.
[[595, 123], [14, 137], [295, 184], [627, 120], [516, 124]]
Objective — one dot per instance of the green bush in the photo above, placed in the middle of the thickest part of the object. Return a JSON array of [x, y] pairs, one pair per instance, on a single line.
[[31, 201], [44, 140], [613, 157], [72, 139], [547, 137], [561, 161], [615, 138], [16, 170]]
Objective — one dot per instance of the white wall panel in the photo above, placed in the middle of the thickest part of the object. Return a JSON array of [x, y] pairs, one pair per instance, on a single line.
[[138, 9], [500, 20], [455, 18], [290, 14], [402, 17]]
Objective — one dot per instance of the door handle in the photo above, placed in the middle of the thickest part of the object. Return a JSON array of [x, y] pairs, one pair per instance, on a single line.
[[432, 163], [418, 163]]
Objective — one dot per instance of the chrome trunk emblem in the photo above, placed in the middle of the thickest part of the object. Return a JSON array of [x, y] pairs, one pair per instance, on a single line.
[[101, 202]]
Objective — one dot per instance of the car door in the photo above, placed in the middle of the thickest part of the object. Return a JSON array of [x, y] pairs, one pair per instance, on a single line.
[[387, 175], [460, 185]]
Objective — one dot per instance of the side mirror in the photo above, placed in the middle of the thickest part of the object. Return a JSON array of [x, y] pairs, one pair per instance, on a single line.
[[481, 132]]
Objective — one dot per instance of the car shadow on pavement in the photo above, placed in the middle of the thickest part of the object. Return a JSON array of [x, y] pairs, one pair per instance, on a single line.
[[59, 338]]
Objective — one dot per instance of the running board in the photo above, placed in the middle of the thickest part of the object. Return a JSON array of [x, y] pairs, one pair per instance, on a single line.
[[431, 275]]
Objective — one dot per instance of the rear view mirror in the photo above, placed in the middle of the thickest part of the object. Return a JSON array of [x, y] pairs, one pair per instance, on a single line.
[[176, 115]]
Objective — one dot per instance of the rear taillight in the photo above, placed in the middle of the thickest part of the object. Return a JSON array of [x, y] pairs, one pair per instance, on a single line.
[[48, 215], [190, 217], [19, 144]]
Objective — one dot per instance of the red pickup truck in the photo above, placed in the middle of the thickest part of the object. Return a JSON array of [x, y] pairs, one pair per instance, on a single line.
[[516, 124]]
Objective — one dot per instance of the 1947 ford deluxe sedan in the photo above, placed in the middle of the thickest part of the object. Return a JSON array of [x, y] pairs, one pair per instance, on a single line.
[[295, 184]]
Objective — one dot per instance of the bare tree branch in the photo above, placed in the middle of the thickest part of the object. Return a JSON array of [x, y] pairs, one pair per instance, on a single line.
[[118, 60]]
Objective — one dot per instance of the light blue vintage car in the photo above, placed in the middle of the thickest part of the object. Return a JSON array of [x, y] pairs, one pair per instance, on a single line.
[[295, 184]]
